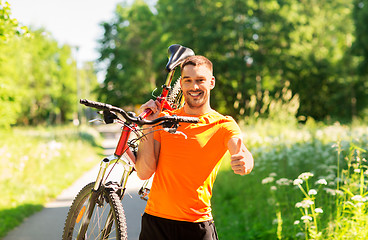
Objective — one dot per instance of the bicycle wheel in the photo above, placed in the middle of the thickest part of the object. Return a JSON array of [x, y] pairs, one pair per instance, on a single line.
[[107, 203], [175, 96]]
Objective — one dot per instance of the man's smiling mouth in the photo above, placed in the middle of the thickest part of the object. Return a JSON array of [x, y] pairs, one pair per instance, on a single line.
[[195, 94]]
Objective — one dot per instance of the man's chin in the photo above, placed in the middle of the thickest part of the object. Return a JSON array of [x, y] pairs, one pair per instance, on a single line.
[[195, 105]]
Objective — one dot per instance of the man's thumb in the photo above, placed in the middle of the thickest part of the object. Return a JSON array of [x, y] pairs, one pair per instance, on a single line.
[[238, 146]]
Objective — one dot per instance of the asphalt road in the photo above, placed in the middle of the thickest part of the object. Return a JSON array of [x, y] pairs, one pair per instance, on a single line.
[[48, 224]]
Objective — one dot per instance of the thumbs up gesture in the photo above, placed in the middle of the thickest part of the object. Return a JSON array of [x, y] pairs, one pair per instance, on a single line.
[[241, 159]]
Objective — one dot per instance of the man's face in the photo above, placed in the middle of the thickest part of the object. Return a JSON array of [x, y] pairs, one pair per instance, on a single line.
[[196, 83]]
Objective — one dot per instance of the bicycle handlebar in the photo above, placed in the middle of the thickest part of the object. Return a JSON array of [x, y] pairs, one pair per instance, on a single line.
[[137, 120]]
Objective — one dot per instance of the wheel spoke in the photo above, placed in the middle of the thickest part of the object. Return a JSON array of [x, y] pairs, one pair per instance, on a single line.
[[98, 228]]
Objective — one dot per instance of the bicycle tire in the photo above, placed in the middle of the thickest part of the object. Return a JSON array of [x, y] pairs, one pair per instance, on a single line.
[[111, 201], [175, 96]]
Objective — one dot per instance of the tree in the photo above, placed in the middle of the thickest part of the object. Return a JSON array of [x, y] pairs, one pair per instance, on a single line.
[[9, 101], [244, 39], [318, 43], [128, 50], [256, 47], [360, 50]]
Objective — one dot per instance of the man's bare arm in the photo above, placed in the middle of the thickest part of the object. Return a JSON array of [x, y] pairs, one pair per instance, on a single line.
[[149, 149]]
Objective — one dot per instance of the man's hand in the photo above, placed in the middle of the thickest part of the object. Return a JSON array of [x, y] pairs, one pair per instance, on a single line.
[[149, 149], [155, 107], [241, 158]]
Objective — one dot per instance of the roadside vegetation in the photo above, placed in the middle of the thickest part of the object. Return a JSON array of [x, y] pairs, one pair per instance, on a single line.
[[309, 182], [37, 164]]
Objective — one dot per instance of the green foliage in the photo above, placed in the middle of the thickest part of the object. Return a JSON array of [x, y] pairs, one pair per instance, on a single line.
[[127, 49], [37, 164], [38, 78], [256, 47], [360, 17], [8, 93], [8, 25]]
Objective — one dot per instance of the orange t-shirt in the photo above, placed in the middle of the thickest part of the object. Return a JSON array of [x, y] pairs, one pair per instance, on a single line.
[[187, 167]]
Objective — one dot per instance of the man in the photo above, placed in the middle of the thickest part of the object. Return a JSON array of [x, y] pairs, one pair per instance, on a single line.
[[186, 166]]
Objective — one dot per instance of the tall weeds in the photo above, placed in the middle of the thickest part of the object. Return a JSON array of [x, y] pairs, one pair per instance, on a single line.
[[309, 181]]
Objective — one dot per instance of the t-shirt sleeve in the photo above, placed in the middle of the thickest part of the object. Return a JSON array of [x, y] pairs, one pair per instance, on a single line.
[[231, 129]]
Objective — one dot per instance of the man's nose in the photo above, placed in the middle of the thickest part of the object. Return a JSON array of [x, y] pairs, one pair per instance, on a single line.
[[195, 86]]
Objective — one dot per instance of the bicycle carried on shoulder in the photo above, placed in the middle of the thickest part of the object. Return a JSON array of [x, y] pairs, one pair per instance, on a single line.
[[97, 211]]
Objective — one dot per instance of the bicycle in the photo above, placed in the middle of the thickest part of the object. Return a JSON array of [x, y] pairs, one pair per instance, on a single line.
[[97, 211]]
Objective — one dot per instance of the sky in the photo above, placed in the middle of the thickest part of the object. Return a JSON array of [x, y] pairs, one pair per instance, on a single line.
[[72, 22]]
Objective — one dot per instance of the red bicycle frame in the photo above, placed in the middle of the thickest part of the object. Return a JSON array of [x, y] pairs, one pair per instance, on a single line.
[[122, 146]]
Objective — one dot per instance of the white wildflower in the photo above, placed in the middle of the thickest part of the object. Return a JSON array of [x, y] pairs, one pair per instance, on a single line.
[[284, 182], [53, 145], [307, 203], [296, 222], [359, 204], [335, 145], [273, 188], [358, 198], [298, 205], [318, 210], [24, 158], [273, 174], [299, 235], [304, 204], [268, 180], [322, 181], [298, 182], [305, 176], [333, 192], [312, 192], [357, 170], [349, 203], [306, 218], [339, 192]]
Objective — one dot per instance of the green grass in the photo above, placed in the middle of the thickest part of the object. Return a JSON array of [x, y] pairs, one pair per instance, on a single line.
[[37, 164], [261, 206]]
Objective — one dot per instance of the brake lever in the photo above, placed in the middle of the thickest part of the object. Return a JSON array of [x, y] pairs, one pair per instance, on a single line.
[[109, 117], [96, 120], [174, 131]]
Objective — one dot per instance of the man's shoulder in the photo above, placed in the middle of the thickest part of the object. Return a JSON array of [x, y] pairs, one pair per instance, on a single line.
[[221, 117]]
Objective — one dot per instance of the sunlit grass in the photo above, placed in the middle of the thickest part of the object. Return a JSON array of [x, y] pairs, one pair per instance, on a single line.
[[262, 205], [37, 164]]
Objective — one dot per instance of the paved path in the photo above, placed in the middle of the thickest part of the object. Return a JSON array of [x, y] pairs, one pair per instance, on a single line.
[[48, 224]]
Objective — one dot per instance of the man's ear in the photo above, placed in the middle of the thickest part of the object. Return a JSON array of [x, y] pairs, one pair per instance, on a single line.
[[213, 82]]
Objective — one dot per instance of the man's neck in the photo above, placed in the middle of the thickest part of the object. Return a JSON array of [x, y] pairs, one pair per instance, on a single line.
[[197, 111]]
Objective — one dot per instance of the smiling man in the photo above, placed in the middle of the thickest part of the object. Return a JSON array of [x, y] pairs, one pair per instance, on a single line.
[[185, 168]]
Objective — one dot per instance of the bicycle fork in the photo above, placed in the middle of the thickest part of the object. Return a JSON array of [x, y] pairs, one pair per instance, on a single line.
[[100, 182]]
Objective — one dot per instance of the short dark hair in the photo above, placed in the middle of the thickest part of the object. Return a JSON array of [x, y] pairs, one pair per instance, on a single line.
[[197, 60]]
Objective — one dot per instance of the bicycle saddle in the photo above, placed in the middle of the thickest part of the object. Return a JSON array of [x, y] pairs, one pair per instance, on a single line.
[[177, 54]]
